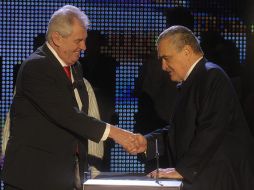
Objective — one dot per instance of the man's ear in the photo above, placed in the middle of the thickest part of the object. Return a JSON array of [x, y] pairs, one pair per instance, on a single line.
[[56, 38]]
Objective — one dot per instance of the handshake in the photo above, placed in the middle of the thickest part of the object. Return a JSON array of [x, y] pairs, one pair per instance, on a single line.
[[132, 143], [136, 143]]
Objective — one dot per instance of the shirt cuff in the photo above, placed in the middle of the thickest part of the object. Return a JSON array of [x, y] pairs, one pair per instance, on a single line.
[[106, 132]]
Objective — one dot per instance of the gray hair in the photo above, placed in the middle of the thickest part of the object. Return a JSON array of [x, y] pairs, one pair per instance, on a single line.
[[180, 36], [62, 19]]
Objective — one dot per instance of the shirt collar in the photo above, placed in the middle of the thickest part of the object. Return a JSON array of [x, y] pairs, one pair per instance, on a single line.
[[56, 55], [191, 68]]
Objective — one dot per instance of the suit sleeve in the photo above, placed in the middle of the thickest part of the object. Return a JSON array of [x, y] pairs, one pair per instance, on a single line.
[[212, 123], [151, 143], [41, 87]]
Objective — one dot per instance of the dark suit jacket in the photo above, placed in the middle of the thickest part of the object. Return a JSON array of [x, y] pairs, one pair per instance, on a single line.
[[46, 126], [208, 141]]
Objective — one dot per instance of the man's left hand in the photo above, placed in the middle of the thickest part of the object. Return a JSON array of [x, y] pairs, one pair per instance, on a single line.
[[170, 173]]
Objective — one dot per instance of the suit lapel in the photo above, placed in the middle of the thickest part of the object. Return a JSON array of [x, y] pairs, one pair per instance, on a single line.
[[83, 94], [196, 70], [80, 86], [58, 70], [55, 63]]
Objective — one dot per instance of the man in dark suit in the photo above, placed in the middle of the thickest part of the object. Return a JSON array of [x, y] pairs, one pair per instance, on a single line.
[[48, 130], [208, 140]]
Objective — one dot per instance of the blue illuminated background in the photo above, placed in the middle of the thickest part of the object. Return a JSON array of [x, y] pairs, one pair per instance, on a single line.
[[131, 28]]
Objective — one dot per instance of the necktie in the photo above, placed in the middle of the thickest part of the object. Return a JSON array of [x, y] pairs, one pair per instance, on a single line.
[[67, 70]]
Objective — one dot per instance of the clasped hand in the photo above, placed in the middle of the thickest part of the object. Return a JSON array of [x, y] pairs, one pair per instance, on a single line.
[[132, 143]]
